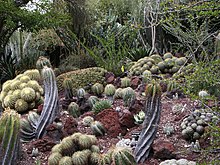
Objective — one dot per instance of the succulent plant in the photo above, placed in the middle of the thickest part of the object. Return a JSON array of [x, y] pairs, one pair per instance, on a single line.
[[97, 128], [81, 93], [139, 118], [122, 155], [94, 158], [87, 120], [97, 89], [172, 86], [67, 84], [101, 105], [92, 100], [15, 84], [9, 137], [66, 160], [86, 141], [21, 105], [57, 148], [95, 148], [28, 94], [128, 96], [43, 61], [167, 55], [78, 158], [67, 146], [54, 158], [34, 74], [109, 90], [104, 159], [125, 82], [51, 105], [24, 79], [146, 76], [74, 110], [203, 94], [118, 93], [9, 101], [152, 111], [168, 129]]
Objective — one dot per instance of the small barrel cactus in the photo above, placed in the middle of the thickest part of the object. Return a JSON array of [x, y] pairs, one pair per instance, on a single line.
[[80, 93], [67, 84], [66, 160], [78, 158], [97, 89], [94, 158], [54, 158], [122, 155], [86, 141], [74, 110], [97, 128], [146, 76], [9, 137], [118, 94], [104, 159], [109, 90], [87, 120], [125, 82], [67, 146], [92, 100], [128, 96]]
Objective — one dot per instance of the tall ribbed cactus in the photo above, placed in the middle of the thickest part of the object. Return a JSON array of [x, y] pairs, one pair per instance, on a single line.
[[9, 137], [151, 121], [51, 105]]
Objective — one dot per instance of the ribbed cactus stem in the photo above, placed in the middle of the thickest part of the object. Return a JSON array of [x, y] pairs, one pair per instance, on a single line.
[[9, 137], [151, 121], [51, 105]]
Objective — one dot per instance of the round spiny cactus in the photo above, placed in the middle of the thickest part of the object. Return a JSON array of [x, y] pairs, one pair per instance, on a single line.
[[78, 158], [92, 100], [24, 79], [57, 148], [74, 110], [122, 155], [86, 141], [87, 120], [167, 55], [67, 83], [15, 84], [75, 137], [43, 61], [21, 105], [101, 105], [94, 158], [125, 82], [109, 90], [34, 74], [54, 158], [22, 85], [104, 159], [17, 93], [81, 93], [28, 94], [97, 89], [3, 94], [97, 128], [128, 96], [95, 148], [34, 85], [67, 145], [153, 89], [118, 93], [9, 101], [66, 160]]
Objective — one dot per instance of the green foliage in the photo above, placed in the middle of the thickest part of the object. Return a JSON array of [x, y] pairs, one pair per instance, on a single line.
[[101, 105], [205, 77]]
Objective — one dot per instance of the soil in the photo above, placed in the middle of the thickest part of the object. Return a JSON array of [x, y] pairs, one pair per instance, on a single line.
[[181, 146]]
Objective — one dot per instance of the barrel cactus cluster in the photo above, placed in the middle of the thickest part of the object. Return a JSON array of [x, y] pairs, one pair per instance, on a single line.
[[76, 149], [23, 92], [82, 78], [193, 126], [157, 64]]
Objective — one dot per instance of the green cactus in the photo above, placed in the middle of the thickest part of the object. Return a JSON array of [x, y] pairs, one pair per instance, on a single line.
[[67, 84], [43, 61], [15, 84], [104, 159], [79, 158], [152, 117], [81, 93], [94, 158], [87, 120], [7, 86], [9, 101], [97, 89], [92, 100], [95, 148], [9, 137], [17, 93], [86, 141], [28, 94], [74, 110], [26, 130], [21, 105], [97, 128], [146, 76], [125, 82], [34, 85], [118, 94], [67, 146], [2, 96], [34, 74], [139, 118], [172, 86], [128, 96], [57, 148], [24, 78], [167, 55], [66, 160], [122, 155], [109, 90], [54, 158], [101, 105]]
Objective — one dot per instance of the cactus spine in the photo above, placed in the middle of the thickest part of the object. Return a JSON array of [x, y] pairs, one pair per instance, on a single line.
[[51, 105], [152, 118], [9, 137]]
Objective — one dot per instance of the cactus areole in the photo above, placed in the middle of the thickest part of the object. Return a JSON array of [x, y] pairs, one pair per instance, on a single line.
[[151, 121], [51, 104]]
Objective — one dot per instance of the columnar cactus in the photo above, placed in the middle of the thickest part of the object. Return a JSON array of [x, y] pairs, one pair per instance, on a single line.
[[151, 121], [9, 137], [51, 106]]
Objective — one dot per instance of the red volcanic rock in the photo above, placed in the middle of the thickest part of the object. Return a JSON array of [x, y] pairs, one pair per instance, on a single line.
[[136, 107], [163, 150], [126, 119], [69, 125], [135, 81], [110, 77], [53, 132], [110, 119]]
